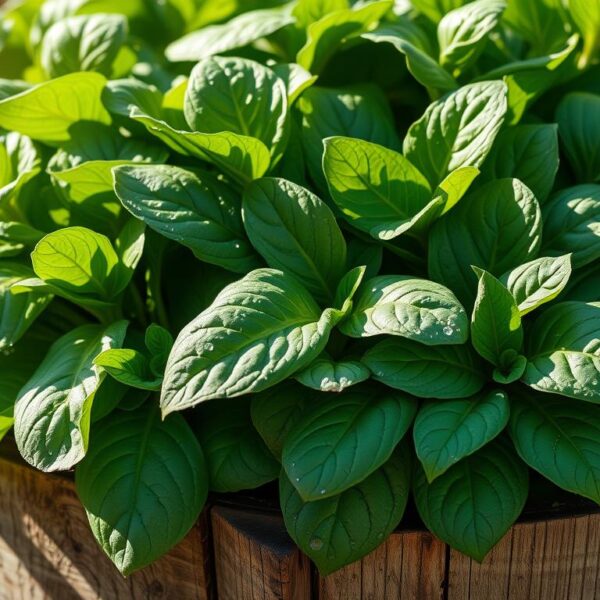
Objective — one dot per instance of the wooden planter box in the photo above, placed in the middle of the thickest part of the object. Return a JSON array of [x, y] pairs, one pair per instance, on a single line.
[[47, 552]]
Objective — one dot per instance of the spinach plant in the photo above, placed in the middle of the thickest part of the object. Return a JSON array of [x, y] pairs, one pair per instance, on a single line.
[[350, 246]]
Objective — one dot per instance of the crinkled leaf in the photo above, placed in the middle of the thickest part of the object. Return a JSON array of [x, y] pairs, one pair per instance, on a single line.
[[258, 331], [327, 375]]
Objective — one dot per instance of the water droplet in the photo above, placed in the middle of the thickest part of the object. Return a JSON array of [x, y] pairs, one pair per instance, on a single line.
[[209, 347], [448, 330], [322, 491], [316, 543], [237, 246]]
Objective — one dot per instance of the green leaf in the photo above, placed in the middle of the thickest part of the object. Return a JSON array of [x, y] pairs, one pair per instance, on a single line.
[[159, 342], [587, 18], [426, 371], [496, 322], [463, 32], [141, 510], [453, 187], [563, 356], [377, 190], [83, 43], [559, 439], [528, 153], [327, 375], [296, 80], [79, 262], [240, 96], [406, 36], [47, 111], [236, 456], [416, 309], [538, 281], [129, 367], [19, 163], [347, 288], [446, 432], [52, 411], [238, 346], [235, 33], [275, 411], [336, 444], [243, 157], [434, 10], [572, 224], [18, 309], [293, 230], [539, 22], [357, 111], [328, 33], [337, 531], [497, 227], [197, 211], [457, 130], [474, 503], [578, 118]]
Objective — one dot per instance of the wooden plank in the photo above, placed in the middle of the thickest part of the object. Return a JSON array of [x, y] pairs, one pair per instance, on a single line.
[[408, 566], [556, 559], [255, 557], [47, 550]]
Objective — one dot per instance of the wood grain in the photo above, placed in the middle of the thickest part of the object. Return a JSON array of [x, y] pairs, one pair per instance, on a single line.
[[256, 559], [47, 550], [409, 565], [549, 560]]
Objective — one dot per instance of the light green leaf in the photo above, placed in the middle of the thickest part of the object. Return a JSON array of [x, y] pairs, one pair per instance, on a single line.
[[406, 36], [52, 411], [240, 96], [563, 356], [197, 211], [426, 371], [243, 157], [454, 186], [293, 230], [357, 111], [236, 346], [275, 411], [296, 79], [79, 262], [572, 224], [474, 503], [83, 43], [19, 163], [578, 118], [47, 111], [538, 281], [457, 130], [337, 531], [416, 309], [496, 228], [336, 444], [236, 456], [463, 32], [496, 322], [445, 432], [129, 367], [525, 152], [347, 288], [377, 190], [586, 15], [141, 510], [327, 375], [434, 10], [559, 439], [328, 33], [18, 310], [235, 33]]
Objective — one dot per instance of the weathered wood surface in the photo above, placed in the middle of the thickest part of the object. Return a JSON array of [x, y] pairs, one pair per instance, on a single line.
[[557, 559], [47, 550], [255, 558]]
